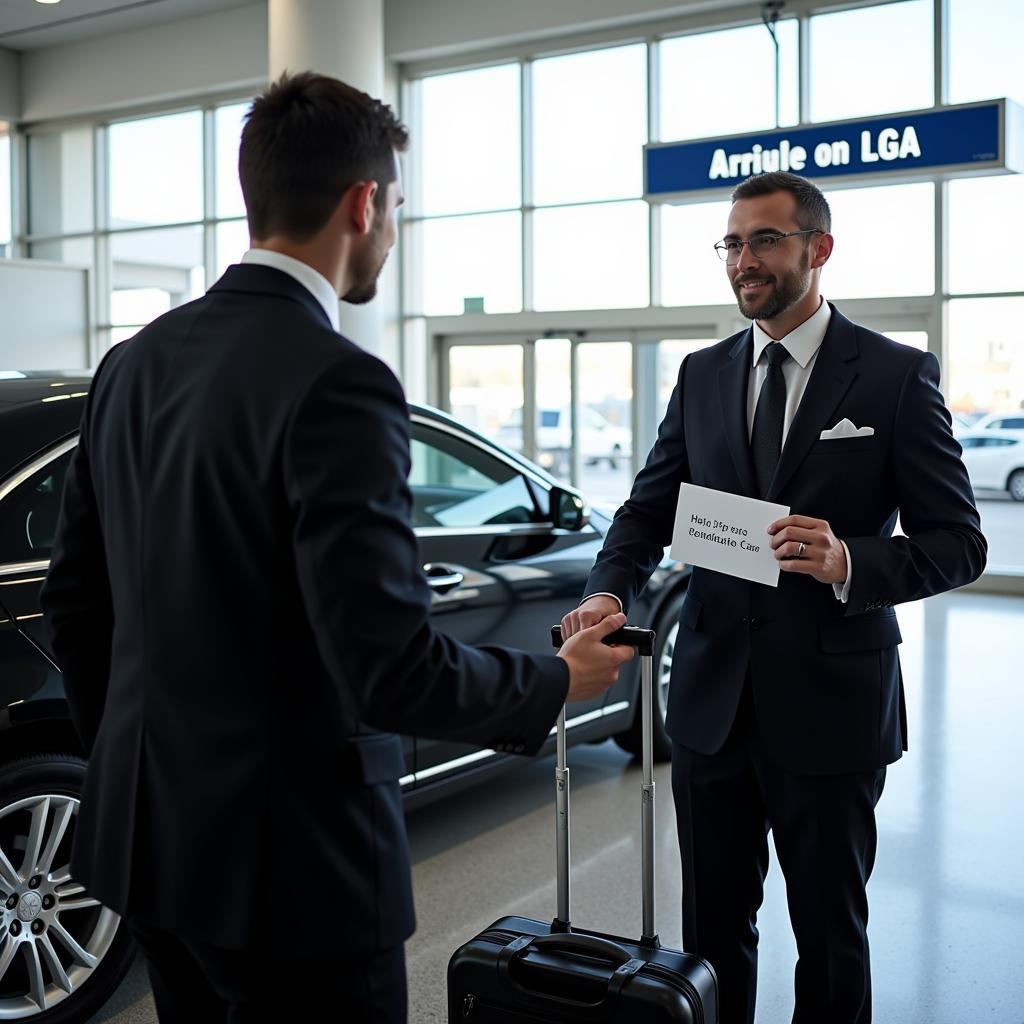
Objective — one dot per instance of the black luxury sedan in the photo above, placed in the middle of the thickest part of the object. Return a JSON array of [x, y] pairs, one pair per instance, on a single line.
[[506, 549]]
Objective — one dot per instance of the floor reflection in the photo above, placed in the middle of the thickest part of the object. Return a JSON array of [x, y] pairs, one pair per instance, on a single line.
[[947, 895]]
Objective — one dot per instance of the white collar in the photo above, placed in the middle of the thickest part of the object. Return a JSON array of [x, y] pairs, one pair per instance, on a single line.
[[312, 280], [802, 342]]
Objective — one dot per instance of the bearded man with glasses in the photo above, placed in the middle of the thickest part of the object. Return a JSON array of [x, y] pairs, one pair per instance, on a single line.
[[786, 704]]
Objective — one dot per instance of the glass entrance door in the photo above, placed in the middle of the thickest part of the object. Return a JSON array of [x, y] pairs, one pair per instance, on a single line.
[[564, 401], [484, 390], [603, 421]]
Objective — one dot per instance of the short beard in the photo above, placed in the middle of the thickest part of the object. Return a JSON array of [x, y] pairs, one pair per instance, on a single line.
[[366, 270], [788, 291]]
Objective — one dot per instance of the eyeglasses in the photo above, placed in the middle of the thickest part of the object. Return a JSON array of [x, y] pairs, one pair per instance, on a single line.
[[760, 245]]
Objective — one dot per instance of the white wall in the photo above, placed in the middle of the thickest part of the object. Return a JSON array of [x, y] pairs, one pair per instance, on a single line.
[[418, 29], [46, 315], [228, 50], [211, 53], [10, 97]]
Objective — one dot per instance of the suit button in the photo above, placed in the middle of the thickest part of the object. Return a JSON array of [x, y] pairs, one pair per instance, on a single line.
[[752, 621], [520, 747]]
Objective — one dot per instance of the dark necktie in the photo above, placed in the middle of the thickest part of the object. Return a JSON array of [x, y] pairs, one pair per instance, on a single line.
[[769, 416]]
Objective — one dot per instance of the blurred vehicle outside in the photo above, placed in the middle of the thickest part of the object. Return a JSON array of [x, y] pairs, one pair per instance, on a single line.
[[995, 460]]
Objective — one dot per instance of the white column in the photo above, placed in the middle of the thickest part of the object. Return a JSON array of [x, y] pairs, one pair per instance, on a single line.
[[343, 38]]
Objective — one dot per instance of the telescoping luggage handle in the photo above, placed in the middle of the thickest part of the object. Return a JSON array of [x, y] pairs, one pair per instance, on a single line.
[[643, 641]]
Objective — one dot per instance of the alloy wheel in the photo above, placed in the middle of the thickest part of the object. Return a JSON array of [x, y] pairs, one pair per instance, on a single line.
[[1016, 485], [664, 667], [53, 935]]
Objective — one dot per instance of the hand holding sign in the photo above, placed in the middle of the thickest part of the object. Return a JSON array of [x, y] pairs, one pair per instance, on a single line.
[[802, 544], [727, 533]]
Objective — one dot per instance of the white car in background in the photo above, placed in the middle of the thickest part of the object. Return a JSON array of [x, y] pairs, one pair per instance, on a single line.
[[598, 440], [995, 460], [1000, 421]]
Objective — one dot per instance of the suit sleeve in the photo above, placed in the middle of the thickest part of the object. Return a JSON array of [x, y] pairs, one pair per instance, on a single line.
[[346, 464], [943, 547], [76, 597], [642, 528]]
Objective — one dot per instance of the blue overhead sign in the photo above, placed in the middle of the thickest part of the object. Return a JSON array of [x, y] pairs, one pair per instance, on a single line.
[[971, 137]]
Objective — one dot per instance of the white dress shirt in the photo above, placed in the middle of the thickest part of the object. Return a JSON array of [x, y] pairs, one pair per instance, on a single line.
[[802, 343], [312, 280]]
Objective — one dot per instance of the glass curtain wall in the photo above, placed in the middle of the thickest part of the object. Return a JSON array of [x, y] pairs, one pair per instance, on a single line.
[[525, 202], [984, 293], [5, 190], [151, 204]]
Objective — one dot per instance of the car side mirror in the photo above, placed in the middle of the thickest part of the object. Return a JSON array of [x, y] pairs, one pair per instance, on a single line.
[[568, 510]]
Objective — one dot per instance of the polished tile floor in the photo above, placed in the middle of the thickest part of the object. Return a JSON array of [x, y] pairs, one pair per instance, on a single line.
[[947, 895]]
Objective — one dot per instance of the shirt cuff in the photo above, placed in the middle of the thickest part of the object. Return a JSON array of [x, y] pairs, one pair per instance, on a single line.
[[603, 593], [842, 590]]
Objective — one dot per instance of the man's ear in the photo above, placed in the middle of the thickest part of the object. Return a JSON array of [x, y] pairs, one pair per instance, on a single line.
[[821, 250], [362, 195]]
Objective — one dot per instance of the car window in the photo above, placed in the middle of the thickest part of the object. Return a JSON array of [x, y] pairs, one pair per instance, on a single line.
[[1001, 442], [1013, 423], [972, 442], [458, 484], [28, 515]]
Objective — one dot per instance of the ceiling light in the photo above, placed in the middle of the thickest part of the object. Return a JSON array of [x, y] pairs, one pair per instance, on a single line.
[[47, 1]]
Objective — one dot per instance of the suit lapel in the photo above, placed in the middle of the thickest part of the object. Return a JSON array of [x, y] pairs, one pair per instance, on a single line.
[[834, 371], [732, 391]]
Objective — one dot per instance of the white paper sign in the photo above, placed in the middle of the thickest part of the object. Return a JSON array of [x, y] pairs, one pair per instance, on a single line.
[[727, 533]]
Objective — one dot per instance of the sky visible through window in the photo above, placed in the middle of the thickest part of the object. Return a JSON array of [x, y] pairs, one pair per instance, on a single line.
[[156, 170]]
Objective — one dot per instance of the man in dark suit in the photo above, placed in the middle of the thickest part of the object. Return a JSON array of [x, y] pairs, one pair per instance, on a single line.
[[786, 704], [236, 602]]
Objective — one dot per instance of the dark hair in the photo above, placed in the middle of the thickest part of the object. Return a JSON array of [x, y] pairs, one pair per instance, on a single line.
[[306, 140], [811, 206]]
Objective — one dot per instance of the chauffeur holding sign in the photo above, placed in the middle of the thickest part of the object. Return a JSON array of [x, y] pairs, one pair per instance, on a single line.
[[786, 703]]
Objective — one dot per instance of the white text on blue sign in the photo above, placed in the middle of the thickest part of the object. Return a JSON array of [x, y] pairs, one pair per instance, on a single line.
[[887, 145]]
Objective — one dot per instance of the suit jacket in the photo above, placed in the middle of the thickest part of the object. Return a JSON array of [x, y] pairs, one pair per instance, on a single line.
[[237, 604], [825, 675]]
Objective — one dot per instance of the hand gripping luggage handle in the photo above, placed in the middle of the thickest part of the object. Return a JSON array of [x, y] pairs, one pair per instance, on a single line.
[[627, 636], [643, 640]]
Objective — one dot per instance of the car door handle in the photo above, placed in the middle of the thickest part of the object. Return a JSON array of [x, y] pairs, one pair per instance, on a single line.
[[442, 578]]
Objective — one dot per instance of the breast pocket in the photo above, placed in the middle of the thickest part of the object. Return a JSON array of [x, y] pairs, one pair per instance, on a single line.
[[846, 445]]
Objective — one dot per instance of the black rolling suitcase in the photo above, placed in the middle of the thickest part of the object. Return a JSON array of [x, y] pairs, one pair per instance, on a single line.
[[521, 970]]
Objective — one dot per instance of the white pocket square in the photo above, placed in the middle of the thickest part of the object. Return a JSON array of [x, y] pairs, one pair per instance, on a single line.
[[845, 428]]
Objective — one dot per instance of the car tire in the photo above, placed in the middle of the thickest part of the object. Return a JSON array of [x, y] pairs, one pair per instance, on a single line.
[[667, 630], [1015, 485], [39, 800]]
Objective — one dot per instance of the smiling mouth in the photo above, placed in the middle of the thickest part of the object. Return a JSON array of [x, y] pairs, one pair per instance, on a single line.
[[752, 286]]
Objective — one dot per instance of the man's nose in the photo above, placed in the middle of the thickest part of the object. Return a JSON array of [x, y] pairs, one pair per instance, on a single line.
[[747, 260]]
